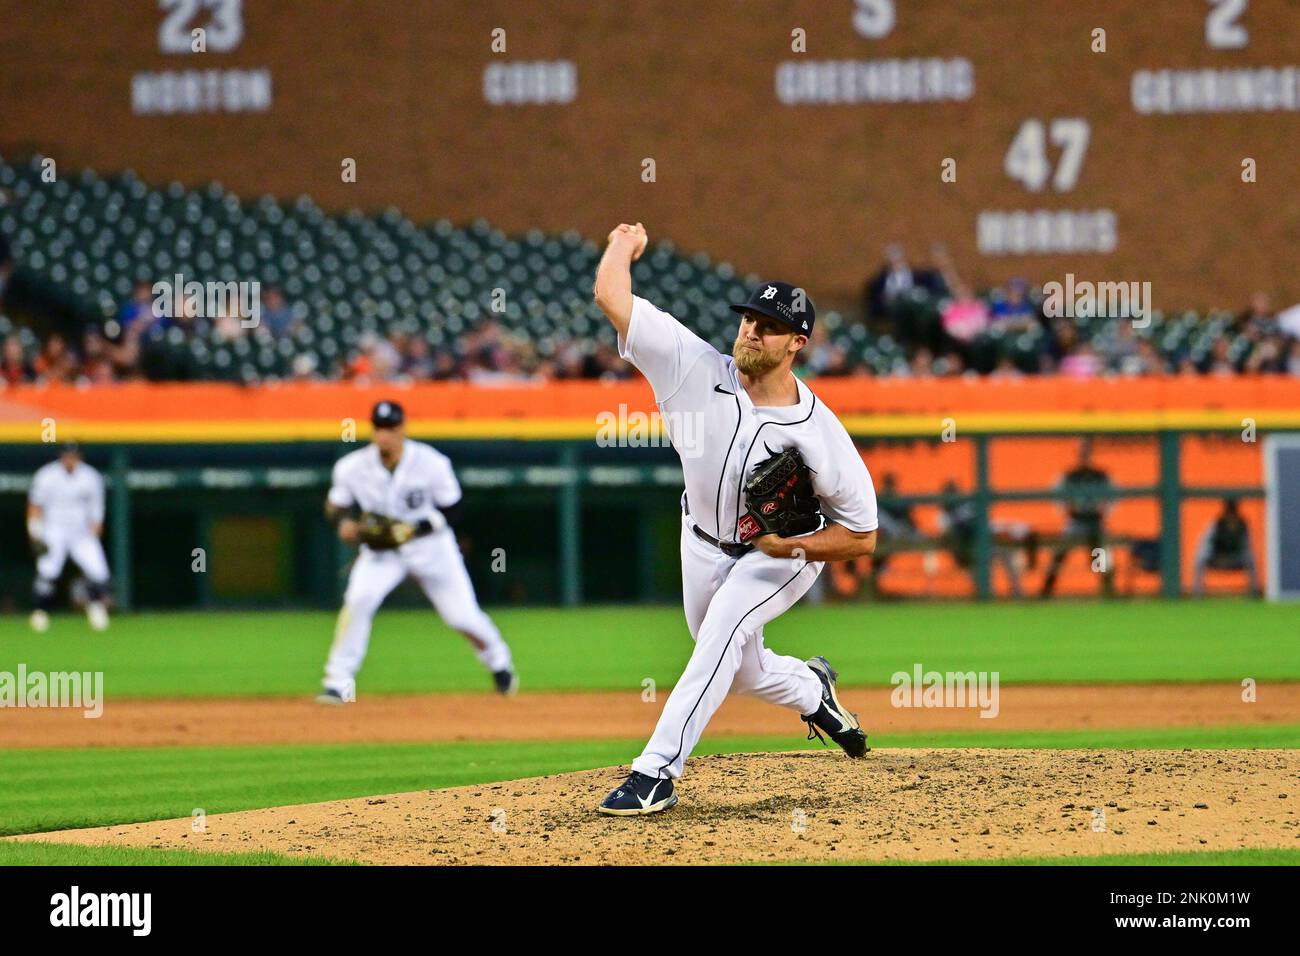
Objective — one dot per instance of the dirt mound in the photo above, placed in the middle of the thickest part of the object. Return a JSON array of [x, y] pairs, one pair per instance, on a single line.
[[567, 716], [895, 805]]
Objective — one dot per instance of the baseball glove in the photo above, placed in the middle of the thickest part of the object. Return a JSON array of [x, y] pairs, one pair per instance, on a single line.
[[780, 499], [381, 533]]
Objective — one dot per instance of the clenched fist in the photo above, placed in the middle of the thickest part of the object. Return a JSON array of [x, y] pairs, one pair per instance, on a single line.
[[633, 237]]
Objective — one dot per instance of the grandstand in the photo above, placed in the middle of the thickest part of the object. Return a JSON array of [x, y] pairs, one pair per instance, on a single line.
[[83, 244]]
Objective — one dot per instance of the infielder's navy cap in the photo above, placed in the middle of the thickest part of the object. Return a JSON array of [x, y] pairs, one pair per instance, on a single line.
[[783, 302], [387, 414], [70, 448]]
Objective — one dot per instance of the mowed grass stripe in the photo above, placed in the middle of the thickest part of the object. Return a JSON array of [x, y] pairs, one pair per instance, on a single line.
[[281, 653], [56, 854], [63, 789], [61, 854]]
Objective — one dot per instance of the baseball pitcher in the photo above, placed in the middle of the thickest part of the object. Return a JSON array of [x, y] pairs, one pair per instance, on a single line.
[[65, 518], [775, 489], [399, 499]]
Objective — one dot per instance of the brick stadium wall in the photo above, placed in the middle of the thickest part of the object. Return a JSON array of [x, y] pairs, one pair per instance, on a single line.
[[809, 192]]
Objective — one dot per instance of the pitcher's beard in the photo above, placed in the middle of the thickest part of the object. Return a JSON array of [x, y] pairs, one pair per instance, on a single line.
[[753, 363]]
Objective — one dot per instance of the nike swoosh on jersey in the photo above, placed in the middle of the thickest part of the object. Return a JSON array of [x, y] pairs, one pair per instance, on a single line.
[[723, 391]]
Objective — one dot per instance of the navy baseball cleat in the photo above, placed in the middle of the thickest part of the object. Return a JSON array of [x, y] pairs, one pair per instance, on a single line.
[[839, 724], [506, 682], [330, 696], [639, 794]]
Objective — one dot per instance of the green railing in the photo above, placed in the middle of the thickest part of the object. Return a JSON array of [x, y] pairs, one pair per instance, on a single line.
[[570, 479]]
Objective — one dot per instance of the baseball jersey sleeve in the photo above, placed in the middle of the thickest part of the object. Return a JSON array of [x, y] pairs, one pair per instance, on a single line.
[[661, 348], [843, 485], [39, 492], [96, 498], [340, 493], [445, 488]]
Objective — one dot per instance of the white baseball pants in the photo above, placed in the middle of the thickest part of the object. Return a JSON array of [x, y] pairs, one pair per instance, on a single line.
[[436, 564], [86, 551], [728, 601]]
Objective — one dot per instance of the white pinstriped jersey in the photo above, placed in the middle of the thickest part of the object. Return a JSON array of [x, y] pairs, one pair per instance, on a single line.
[[70, 502], [423, 480], [721, 435]]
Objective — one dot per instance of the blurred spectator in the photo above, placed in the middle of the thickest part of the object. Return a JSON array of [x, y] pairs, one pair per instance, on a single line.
[[964, 315], [229, 325], [277, 317], [1288, 320], [1258, 316], [604, 363], [1219, 361], [895, 280], [1269, 354], [922, 364], [1082, 362], [137, 313], [445, 367], [1006, 368], [1225, 546], [1012, 310], [96, 365], [56, 362], [377, 360], [417, 363], [15, 367], [903, 300]]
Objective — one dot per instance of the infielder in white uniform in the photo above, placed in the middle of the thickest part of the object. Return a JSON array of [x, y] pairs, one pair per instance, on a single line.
[[398, 499], [65, 517], [745, 407]]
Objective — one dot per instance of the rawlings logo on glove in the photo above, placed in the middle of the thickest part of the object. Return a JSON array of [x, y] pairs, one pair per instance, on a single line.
[[780, 498]]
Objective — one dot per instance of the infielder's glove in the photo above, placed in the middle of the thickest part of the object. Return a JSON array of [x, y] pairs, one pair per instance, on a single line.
[[780, 499], [381, 533]]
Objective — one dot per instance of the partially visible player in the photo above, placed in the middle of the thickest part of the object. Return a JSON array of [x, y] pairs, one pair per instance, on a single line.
[[65, 518], [1086, 488], [398, 499]]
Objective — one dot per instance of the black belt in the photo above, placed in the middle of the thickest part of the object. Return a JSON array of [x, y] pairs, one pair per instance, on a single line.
[[732, 549]]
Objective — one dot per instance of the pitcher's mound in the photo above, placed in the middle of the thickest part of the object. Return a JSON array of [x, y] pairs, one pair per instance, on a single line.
[[895, 805]]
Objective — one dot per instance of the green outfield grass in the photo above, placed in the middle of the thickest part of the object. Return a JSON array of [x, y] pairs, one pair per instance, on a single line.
[[277, 653], [61, 854], [55, 854], [65, 789]]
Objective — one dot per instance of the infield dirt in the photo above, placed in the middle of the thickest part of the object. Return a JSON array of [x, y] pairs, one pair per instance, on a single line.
[[903, 805]]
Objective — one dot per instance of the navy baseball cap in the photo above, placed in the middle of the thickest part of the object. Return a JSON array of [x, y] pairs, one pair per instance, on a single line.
[[783, 302], [387, 414]]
